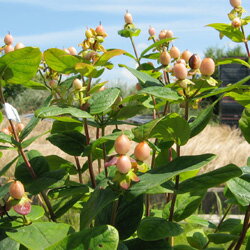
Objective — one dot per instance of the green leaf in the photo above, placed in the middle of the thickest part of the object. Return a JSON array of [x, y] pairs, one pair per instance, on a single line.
[[153, 228], [242, 97], [144, 131], [72, 143], [244, 124], [241, 190], [60, 127], [194, 219], [156, 177], [210, 179], [201, 121], [172, 128], [156, 44], [5, 138], [232, 60], [98, 200], [129, 32], [197, 239], [60, 61], [101, 102], [103, 59], [229, 225], [88, 70], [139, 244], [29, 141], [129, 111], [40, 235], [219, 238], [1, 116], [20, 65], [7, 166], [4, 189], [102, 237], [145, 79], [8, 243], [228, 31], [162, 92], [34, 85], [48, 112]]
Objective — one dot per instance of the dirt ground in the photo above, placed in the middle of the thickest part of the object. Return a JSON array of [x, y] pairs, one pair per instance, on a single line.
[[227, 143]]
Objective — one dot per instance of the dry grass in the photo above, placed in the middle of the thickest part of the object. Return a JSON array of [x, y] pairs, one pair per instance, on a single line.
[[225, 142]]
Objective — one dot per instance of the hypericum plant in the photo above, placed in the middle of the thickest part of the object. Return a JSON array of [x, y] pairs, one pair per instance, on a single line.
[[115, 209]]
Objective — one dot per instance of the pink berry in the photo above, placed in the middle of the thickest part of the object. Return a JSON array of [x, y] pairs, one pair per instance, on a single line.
[[8, 48], [235, 3], [186, 55], [128, 18], [180, 71], [72, 51], [174, 52], [169, 34], [142, 151], [151, 31], [16, 190], [122, 144], [100, 30], [19, 46], [207, 67], [165, 58], [8, 39], [123, 164], [77, 84]]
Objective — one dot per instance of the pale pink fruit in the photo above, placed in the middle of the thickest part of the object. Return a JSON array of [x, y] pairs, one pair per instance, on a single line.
[[169, 34], [186, 55], [180, 71], [100, 30], [122, 144], [16, 190], [77, 84], [23, 208], [53, 84], [142, 151], [235, 3], [19, 46], [19, 127], [8, 48], [165, 58], [207, 67], [72, 51], [174, 52], [66, 50], [6, 131], [162, 34], [8, 39], [123, 164], [101, 89], [128, 18], [181, 61], [151, 31]]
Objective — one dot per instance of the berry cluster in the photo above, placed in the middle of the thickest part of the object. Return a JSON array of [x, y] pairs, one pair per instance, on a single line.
[[8, 47]]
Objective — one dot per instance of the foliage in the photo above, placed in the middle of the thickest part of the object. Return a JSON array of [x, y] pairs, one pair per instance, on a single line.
[[114, 207]]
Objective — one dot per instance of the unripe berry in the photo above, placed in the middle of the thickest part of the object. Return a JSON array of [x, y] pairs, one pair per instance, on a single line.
[[19, 46], [151, 31], [53, 84], [180, 71], [142, 151], [19, 127], [77, 84], [236, 23], [174, 52], [66, 50], [16, 190], [235, 3], [165, 58], [8, 49], [122, 144], [128, 18], [162, 34], [181, 61], [207, 67], [123, 164], [186, 55], [169, 34], [8, 39], [6, 131], [100, 30], [194, 61], [88, 33], [72, 51]]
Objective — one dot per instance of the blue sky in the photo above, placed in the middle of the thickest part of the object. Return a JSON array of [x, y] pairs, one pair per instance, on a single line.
[[61, 23]]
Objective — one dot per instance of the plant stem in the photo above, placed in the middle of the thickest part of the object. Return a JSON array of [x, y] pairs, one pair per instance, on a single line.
[[244, 229], [114, 212], [104, 153], [245, 41], [98, 160], [90, 165], [221, 221], [78, 166], [135, 51]]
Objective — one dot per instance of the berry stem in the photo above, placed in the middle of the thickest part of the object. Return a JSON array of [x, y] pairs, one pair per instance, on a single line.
[[78, 166], [245, 41], [135, 50], [104, 152]]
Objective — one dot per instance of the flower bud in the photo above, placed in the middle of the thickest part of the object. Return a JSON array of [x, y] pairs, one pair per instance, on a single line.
[[236, 23], [194, 61], [207, 67]]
